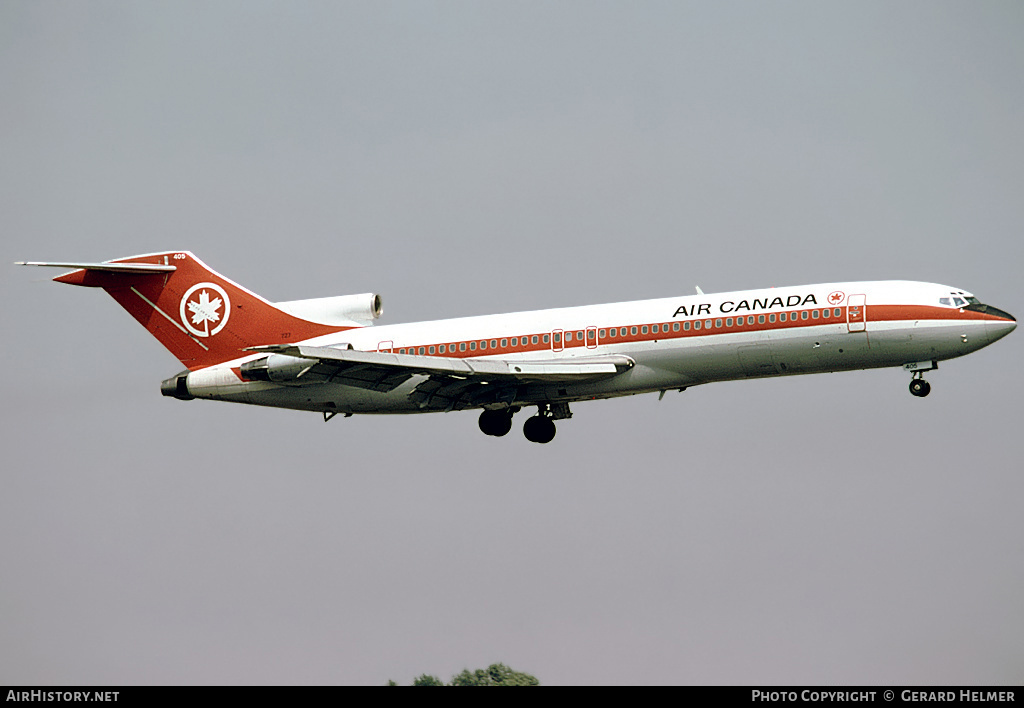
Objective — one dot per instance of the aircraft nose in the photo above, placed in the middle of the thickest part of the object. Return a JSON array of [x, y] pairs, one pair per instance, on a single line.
[[997, 329]]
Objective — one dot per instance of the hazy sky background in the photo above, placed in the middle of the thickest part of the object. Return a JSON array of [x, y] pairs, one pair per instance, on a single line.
[[467, 158]]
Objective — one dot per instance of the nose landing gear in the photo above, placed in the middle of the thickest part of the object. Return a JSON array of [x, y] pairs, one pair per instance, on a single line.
[[919, 387]]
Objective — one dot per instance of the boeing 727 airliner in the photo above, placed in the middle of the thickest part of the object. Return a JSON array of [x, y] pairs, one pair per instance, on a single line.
[[325, 355]]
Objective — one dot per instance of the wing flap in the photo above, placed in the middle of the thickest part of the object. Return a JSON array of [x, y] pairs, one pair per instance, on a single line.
[[445, 382], [482, 371]]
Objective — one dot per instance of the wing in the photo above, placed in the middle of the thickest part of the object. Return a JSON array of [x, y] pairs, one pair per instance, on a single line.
[[449, 382]]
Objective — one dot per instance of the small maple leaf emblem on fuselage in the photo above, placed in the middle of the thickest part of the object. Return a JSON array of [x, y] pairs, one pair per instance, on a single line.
[[205, 309]]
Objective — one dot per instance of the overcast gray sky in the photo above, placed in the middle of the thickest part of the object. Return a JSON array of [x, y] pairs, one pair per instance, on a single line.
[[470, 158]]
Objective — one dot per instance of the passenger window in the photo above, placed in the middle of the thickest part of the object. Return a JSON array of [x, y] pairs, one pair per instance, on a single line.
[[421, 351], [462, 346], [632, 330], [696, 324], [750, 320], [675, 326], [472, 346], [533, 339], [602, 333], [494, 344], [771, 318], [515, 341], [440, 349], [803, 315], [728, 322], [504, 343], [643, 330], [782, 317], [814, 314], [707, 324], [718, 323], [590, 334], [686, 326], [760, 319], [483, 345], [558, 337], [838, 312], [430, 351], [546, 339]]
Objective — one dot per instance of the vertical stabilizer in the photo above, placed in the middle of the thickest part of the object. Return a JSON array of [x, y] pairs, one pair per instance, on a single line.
[[199, 315]]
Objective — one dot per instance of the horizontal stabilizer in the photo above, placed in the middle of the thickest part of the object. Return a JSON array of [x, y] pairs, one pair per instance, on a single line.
[[136, 268]]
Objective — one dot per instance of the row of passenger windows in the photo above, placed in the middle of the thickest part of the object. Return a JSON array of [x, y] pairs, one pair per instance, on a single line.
[[615, 332], [472, 346]]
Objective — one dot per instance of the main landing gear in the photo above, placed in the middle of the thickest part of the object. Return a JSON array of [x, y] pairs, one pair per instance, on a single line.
[[496, 423], [919, 387], [539, 428]]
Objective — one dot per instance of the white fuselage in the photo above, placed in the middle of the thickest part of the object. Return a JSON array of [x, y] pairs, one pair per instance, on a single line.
[[675, 343]]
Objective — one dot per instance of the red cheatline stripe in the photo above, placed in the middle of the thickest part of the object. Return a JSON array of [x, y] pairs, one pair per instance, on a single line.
[[794, 320]]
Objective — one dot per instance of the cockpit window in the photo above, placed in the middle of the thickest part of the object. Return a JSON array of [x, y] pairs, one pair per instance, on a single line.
[[959, 299]]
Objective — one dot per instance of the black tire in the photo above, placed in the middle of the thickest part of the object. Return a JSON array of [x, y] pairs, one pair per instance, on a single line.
[[920, 388], [495, 423], [539, 429]]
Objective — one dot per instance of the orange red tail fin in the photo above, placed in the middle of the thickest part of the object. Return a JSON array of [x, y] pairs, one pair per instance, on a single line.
[[199, 315]]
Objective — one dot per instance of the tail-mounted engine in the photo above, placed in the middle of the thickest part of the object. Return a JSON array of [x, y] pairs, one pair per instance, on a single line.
[[280, 369], [358, 310], [177, 387]]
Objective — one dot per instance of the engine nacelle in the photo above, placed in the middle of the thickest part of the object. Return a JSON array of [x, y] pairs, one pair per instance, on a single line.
[[360, 309], [279, 368], [177, 387]]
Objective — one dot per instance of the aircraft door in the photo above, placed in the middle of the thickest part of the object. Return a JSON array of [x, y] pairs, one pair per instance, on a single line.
[[386, 346], [591, 338], [856, 313], [557, 338]]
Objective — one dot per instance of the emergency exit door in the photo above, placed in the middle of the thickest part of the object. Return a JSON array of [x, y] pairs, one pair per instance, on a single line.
[[856, 313]]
